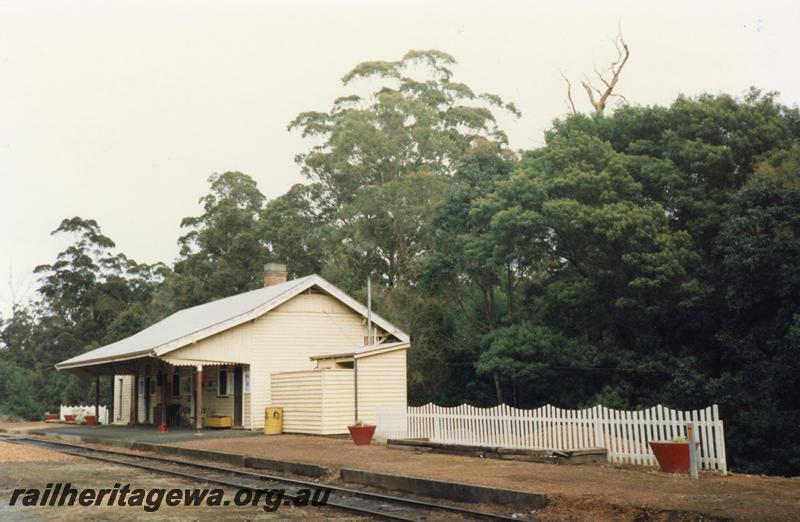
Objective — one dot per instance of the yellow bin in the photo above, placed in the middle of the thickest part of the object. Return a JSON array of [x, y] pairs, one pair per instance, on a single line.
[[273, 421]]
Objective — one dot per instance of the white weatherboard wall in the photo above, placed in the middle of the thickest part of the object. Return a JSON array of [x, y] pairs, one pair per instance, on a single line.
[[282, 340], [337, 401], [381, 383], [321, 401], [318, 402], [309, 324], [213, 403], [122, 399]]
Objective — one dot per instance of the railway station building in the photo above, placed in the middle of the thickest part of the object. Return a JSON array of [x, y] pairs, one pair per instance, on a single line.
[[303, 345]]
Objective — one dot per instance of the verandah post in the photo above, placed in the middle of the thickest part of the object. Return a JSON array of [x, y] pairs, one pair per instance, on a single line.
[[198, 398], [110, 409], [135, 399], [163, 378], [148, 409], [97, 398]]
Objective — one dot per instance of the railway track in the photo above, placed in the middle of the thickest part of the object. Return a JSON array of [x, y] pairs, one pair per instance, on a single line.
[[386, 507]]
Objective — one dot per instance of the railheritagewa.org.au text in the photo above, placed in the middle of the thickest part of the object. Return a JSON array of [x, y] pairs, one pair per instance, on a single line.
[[60, 494]]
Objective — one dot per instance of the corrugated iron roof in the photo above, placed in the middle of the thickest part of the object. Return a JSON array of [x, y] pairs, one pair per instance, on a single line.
[[198, 322], [363, 351]]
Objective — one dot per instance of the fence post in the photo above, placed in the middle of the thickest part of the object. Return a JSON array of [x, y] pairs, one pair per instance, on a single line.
[[723, 457], [720, 436], [690, 435], [379, 424]]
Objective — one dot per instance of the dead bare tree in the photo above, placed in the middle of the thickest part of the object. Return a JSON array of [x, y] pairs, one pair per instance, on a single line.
[[18, 290], [569, 93], [599, 97]]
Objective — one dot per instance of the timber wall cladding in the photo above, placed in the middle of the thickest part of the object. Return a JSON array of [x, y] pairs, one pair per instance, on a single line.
[[381, 383], [285, 339], [318, 402], [321, 401], [282, 340]]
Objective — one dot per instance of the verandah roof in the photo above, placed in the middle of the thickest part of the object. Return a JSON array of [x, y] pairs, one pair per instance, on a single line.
[[364, 351]]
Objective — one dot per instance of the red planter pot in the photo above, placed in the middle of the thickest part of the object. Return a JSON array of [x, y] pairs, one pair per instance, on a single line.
[[69, 418], [362, 435], [673, 457], [91, 420]]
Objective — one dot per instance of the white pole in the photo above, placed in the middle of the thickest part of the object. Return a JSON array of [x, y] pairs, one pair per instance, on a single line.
[[355, 390], [369, 341], [369, 309]]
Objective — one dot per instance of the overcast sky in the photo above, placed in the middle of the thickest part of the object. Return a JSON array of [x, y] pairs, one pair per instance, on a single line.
[[119, 111]]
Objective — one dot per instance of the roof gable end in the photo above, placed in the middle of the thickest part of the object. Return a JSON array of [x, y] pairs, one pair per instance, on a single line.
[[196, 323]]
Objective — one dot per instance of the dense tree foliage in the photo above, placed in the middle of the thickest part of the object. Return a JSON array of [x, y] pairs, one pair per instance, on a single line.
[[86, 298], [641, 257], [759, 363], [381, 157]]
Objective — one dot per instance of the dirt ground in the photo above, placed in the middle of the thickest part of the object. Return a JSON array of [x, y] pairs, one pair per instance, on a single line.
[[21, 427], [585, 492], [577, 492], [27, 467], [16, 453]]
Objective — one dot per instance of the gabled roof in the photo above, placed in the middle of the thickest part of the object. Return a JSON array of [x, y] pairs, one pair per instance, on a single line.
[[198, 322]]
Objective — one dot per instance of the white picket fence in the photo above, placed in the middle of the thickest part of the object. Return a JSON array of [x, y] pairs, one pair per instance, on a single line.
[[624, 434], [88, 410]]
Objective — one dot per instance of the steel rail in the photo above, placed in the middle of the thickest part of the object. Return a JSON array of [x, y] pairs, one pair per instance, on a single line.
[[386, 501]]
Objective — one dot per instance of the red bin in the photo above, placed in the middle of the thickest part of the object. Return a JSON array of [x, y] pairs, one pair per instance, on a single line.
[[362, 435], [673, 457]]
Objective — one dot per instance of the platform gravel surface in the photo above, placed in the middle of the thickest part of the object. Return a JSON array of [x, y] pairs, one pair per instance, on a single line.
[[37, 468], [578, 492], [10, 452]]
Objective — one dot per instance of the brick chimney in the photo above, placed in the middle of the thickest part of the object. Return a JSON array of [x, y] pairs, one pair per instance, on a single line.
[[274, 273]]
